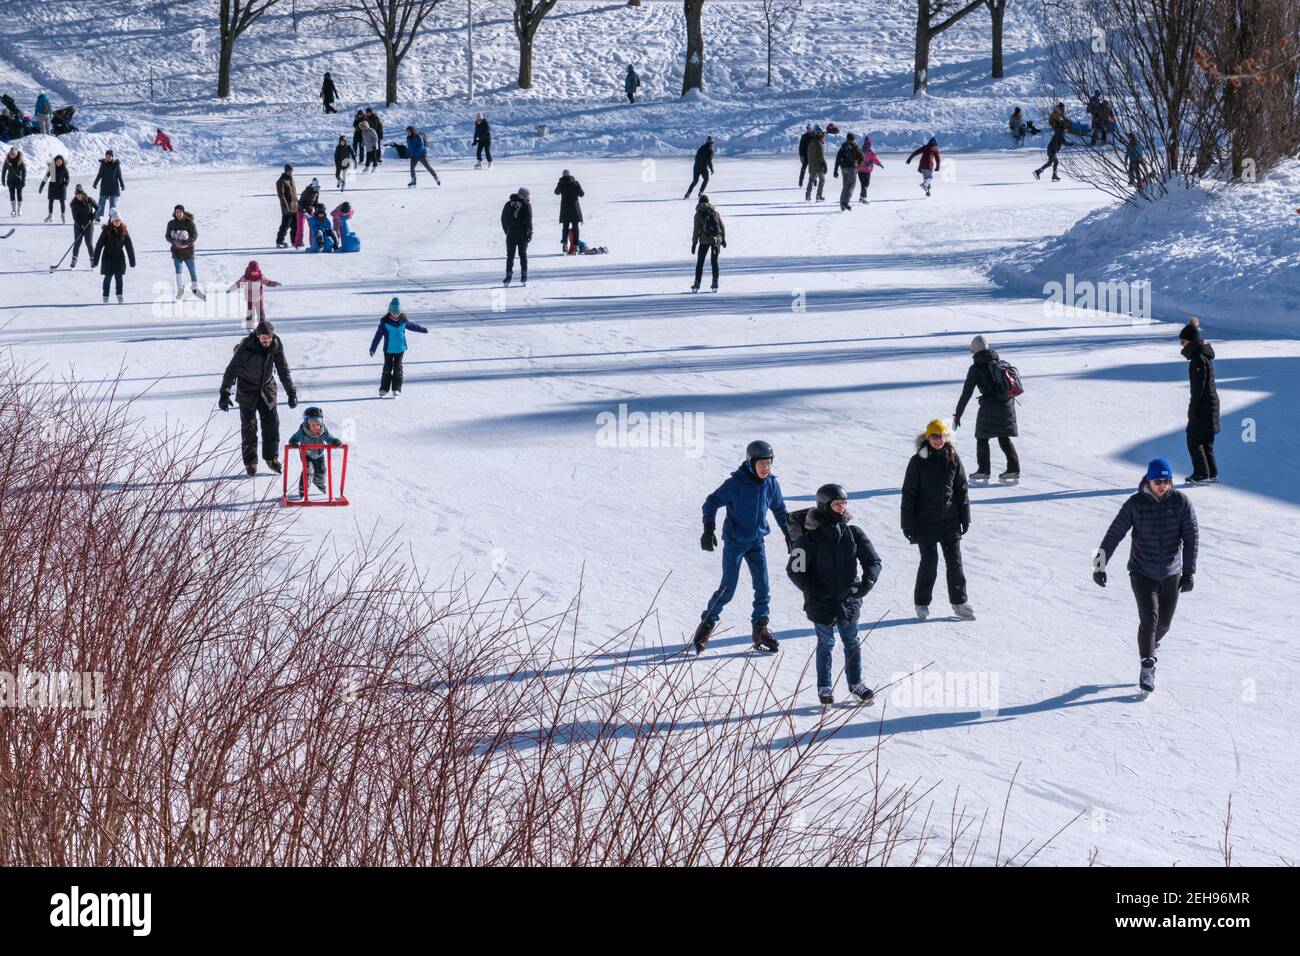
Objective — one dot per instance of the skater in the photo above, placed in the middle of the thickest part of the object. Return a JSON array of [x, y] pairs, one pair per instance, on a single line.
[[345, 160], [517, 224], [287, 193], [997, 411], [43, 113], [83, 218], [112, 252], [1133, 160], [1059, 123], [328, 93], [110, 182], [56, 174], [1098, 112], [1161, 560], [703, 167], [253, 282], [323, 237], [570, 191], [847, 160], [929, 163], [826, 552], [392, 331], [483, 140], [748, 495], [258, 359], [709, 236], [804, 140], [14, 175], [162, 140], [370, 147], [181, 233], [416, 151], [869, 159], [310, 197], [312, 431], [935, 514], [1203, 405], [816, 165], [1018, 128]]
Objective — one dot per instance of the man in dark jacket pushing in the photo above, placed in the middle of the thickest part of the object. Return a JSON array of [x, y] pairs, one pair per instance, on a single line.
[[258, 358]]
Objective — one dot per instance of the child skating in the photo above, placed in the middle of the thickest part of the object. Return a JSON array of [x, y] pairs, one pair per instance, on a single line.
[[253, 282], [392, 332], [929, 164], [312, 431]]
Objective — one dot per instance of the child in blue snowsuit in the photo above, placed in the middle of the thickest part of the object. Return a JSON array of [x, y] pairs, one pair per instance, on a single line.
[[322, 232], [392, 331], [313, 432]]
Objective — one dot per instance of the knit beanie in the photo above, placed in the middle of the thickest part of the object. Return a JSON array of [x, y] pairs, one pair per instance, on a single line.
[[394, 306], [978, 344], [1191, 332], [937, 427], [1159, 468]]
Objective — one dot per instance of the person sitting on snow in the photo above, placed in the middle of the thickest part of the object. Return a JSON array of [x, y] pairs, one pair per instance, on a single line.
[[163, 141], [323, 238], [342, 213]]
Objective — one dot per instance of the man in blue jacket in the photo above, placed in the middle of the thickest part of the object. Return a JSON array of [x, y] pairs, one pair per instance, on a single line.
[[416, 153], [750, 492], [1161, 560]]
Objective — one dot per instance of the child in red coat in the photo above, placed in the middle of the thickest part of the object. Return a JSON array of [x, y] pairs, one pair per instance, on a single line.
[[253, 283], [164, 141]]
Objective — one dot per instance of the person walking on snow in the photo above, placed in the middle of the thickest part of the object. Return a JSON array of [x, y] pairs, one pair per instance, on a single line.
[[709, 236], [287, 193], [253, 282], [847, 160], [312, 431], [826, 552], [57, 176], [44, 111], [14, 175], [804, 140], [112, 252], [1161, 561], [370, 145], [416, 152], [631, 83], [258, 359], [1060, 123], [929, 163], [83, 220], [517, 224], [181, 233], [483, 140], [748, 495], [997, 412], [570, 191], [703, 167], [345, 160], [392, 332], [816, 165], [1203, 404], [328, 93], [935, 514], [869, 159], [110, 183]]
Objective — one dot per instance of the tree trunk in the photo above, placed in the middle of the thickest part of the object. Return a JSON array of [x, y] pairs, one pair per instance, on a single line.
[[693, 74], [223, 66], [998, 10], [391, 64], [526, 61], [769, 54], [921, 60]]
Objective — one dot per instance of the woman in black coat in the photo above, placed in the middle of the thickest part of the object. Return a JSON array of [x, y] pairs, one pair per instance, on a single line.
[[112, 252], [1203, 405], [569, 190], [936, 513], [996, 417]]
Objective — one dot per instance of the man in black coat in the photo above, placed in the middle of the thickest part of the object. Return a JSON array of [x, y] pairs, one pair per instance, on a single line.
[[703, 167], [328, 93], [258, 358], [826, 552], [936, 513], [570, 191], [996, 417], [517, 224], [804, 140], [483, 140], [1203, 405]]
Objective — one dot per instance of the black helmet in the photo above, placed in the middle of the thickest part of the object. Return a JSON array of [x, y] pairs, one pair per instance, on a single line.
[[832, 492], [313, 411], [759, 449]]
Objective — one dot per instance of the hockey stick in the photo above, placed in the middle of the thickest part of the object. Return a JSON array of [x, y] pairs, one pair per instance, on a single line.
[[81, 233]]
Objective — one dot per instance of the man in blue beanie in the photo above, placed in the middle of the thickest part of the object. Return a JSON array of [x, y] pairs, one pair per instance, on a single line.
[[1161, 561]]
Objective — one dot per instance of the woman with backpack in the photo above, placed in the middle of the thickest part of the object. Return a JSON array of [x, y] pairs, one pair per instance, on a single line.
[[935, 514], [709, 236], [57, 176], [997, 410]]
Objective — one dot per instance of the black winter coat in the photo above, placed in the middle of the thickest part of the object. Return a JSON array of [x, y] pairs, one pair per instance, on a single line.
[[83, 210], [482, 133], [328, 91], [804, 140], [569, 189], [849, 157], [112, 251], [517, 218], [825, 557], [109, 178], [14, 174], [1166, 536], [253, 369], [341, 152], [936, 504], [704, 158], [58, 182], [181, 235], [997, 416], [1203, 407]]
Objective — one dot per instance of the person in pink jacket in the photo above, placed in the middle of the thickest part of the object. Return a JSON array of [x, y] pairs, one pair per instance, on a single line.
[[341, 215], [929, 164], [869, 159], [253, 282]]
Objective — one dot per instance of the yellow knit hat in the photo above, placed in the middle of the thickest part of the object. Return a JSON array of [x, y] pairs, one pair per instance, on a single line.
[[937, 427]]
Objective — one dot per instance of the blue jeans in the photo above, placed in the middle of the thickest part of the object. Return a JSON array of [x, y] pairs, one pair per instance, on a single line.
[[733, 553], [194, 278], [103, 210], [848, 627]]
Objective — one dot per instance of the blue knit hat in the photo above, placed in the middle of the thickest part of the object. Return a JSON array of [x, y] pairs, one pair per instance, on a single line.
[[1159, 468], [394, 306]]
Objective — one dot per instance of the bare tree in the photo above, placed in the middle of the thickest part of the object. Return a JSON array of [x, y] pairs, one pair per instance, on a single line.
[[693, 73], [777, 14], [998, 11], [236, 16], [528, 16], [932, 18], [395, 23]]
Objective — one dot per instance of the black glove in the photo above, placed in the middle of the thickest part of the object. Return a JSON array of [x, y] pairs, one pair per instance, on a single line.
[[724, 243], [956, 421], [692, 248], [1187, 583], [223, 402], [293, 401], [1100, 578], [862, 590], [965, 526], [708, 540], [910, 536]]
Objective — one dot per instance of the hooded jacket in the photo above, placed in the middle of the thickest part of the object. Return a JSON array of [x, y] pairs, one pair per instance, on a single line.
[[112, 251], [929, 154], [392, 331], [517, 218], [569, 190], [482, 133], [1203, 404], [936, 502], [869, 158], [704, 158], [848, 157], [252, 371], [287, 193], [825, 556], [109, 178], [747, 499], [817, 155], [699, 234], [997, 416], [180, 235], [1165, 535], [253, 282]]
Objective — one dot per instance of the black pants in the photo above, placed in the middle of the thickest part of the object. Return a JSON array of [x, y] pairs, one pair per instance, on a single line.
[[864, 183], [1156, 601], [63, 209], [115, 277], [484, 147], [631, 96], [81, 234], [1008, 449], [1134, 172], [564, 233], [287, 222], [329, 107], [392, 376], [248, 418], [423, 161], [699, 263], [704, 173], [357, 149], [803, 168], [515, 244], [1201, 448], [1051, 159], [372, 159], [16, 192], [929, 570]]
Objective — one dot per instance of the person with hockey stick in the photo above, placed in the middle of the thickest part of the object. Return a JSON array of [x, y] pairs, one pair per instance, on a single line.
[[482, 140], [748, 495], [417, 152], [703, 167], [928, 164], [997, 412], [1202, 405], [847, 160], [258, 359], [709, 236], [112, 252], [869, 159], [517, 224], [816, 165], [328, 93], [110, 182], [312, 431], [935, 514], [345, 160], [570, 191], [253, 282], [1161, 561], [826, 552], [181, 233], [804, 140], [83, 219], [287, 193], [392, 332]]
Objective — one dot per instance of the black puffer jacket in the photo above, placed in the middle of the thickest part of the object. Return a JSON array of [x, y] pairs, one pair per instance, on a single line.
[[704, 158], [112, 250], [936, 504], [997, 416], [569, 189], [1166, 536], [109, 178], [253, 369], [825, 556], [517, 218], [1203, 408]]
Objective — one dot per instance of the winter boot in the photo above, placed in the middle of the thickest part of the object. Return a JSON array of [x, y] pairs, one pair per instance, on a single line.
[[120, 300], [701, 638], [964, 611], [763, 639], [318, 480], [273, 464], [825, 697], [1147, 677], [863, 693], [922, 612], [199, 292]]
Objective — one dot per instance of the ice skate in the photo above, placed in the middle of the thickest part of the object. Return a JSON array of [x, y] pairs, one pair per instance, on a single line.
[[922, 611], [701, 639], [964, 611], [863, 693], [763, 639], [1147, 676]]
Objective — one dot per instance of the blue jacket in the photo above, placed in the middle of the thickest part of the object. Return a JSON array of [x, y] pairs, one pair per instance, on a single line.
[[1165, 534], [393, 330], [43, 105], [747, 500], [415, 146]]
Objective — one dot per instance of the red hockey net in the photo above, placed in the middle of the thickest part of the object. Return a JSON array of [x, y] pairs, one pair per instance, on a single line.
[[304, 487]]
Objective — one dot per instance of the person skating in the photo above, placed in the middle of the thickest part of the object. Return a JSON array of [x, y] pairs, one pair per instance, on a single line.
[[258, 359], [14, 175], [328, 93], [370, 147], [57, 177], [869, 159], [1161, 561], [748, 495], [312, 431], [110, 182], [1018, 128], [345, 160], [253, 282], [517, 224], [804, 140], [570, 191], [287, 193], [181, 232], [83, 221], [1060, 124], [703, 167], [1202, 405], [847, 160], [377, 124], [358, 118], [929, 162], [416, 152], [483, 141], [112, 252], [935, 514], [709, 235], [392, 332], [1098, 112], [816, 165], [996, 417], [826, 553], [631, 83]]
